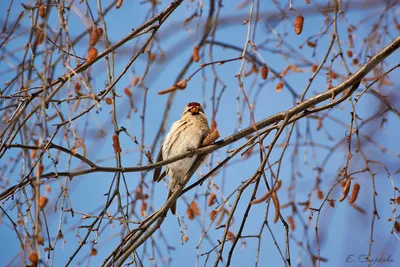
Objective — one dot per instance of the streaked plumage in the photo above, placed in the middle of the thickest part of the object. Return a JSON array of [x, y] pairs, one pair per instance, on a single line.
[[185, 134]]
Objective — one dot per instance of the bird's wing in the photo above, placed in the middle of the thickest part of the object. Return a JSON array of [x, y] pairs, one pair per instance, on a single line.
[[157, 171]]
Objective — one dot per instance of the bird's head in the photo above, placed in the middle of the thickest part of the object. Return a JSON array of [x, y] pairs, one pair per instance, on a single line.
[[193, 108]]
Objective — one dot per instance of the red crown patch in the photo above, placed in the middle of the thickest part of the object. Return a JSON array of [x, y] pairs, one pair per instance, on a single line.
[[193, 104]]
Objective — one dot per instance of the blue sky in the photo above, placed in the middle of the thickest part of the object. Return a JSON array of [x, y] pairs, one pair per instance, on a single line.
[[343, 231]]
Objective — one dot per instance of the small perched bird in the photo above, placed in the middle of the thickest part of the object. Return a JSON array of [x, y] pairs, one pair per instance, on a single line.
[[186, 134]]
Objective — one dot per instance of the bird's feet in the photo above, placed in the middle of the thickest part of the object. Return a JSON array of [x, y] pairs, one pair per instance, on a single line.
[[192, 150]]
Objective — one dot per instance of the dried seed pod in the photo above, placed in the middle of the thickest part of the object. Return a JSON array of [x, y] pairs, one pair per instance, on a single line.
[[355, 61], [93, 252], [279, 87], [320, 124], [349, 53], [116, 144], [77, 87], [195, 54], [185, 238], [346, 190], [109, 101], [42, 10], [331, 203], [92, 55], [230, 236], [262, 199], [275, 200], [33, 257], [307, 2], [95, 36], [211, 199], [351, 42], [314, 67], [136, 81], [40, 38], [213, 214], [254, 68], [298, 24], [152, 56], [333, 75], [40, 240], [195, 208], [398, 200], [48, 188], [181, 84], [354, 193], [168, 90], [264, 72], [320, 195], [291, 223], [40, 169], [143, 209], [190, 213], [311, 44], [128, 92], [34, 151], [119, 4], [43, 202]]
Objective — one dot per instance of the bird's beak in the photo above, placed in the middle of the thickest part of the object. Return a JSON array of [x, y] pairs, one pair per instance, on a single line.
[[194, 110]]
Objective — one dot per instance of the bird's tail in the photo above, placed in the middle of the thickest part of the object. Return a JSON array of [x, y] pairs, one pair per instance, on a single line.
[[173, 207]]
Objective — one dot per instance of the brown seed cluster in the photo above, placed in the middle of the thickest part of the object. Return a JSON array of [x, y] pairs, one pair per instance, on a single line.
[[275, 200], [213, 214], [264, 72], [136, 81], [311, 44], [109, 100], [40, 169], [279, 87], [230, 236], [195, 54], [320, 195], [292, 225], [193, 210], [93, 252], [181, 85], [33, 257], [211, 199], [349, 53], [92, 55], [119, 4], [298, 24], [40, 240], [95, 36], [116, 144], [43, 202], [354, 193], [314, 67], [268, 194], [346, 189], [40, 37], [42, 10]]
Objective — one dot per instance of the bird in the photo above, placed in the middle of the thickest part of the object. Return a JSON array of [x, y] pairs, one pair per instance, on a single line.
[[186, 134]]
